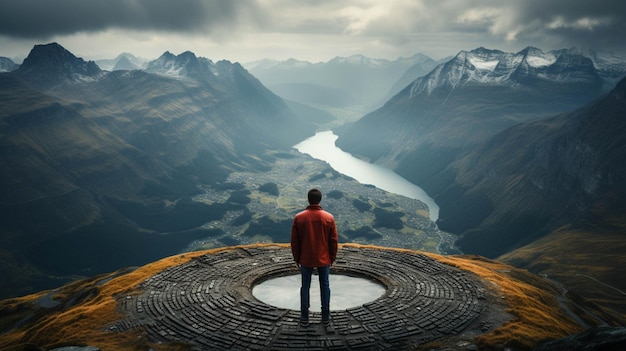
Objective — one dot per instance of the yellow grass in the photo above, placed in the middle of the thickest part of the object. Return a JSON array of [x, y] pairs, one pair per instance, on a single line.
[[590, 264], [528, 297], [85, 324]]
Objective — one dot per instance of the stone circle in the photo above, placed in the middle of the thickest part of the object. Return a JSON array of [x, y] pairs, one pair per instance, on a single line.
[[208, 303]]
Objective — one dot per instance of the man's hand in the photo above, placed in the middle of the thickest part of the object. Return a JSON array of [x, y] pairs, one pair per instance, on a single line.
[[297, 266]]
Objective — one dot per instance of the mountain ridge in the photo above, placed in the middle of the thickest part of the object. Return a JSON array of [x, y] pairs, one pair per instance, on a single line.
[[360, 80]]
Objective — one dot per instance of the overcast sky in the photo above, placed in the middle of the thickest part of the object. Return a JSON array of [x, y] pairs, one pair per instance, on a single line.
[[313, 30]]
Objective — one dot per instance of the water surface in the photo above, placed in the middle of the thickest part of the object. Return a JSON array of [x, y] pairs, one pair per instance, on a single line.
[[345, 292]]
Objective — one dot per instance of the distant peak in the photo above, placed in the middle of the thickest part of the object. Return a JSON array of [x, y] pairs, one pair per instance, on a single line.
[[167, 55], [483, 50], [186, 64], [187, 54], [48, 51], [54, 59]]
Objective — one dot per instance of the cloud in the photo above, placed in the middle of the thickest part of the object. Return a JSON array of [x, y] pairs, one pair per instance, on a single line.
[[313, 29], [558, 23], [44, 18], [551, 24]]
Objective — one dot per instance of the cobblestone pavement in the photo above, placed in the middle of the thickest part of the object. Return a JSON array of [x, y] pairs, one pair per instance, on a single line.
[[208, 303]]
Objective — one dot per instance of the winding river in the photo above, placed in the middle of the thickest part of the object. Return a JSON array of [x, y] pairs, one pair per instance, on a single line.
[[322, 147]]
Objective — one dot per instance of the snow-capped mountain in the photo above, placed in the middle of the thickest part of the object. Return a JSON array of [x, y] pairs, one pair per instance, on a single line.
[[469, 98], [525, 68]]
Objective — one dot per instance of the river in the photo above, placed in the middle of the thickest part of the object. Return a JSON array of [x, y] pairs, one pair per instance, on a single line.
[[322, 147]]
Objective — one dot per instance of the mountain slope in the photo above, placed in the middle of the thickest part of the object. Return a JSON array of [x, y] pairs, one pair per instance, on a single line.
[[104, 164], [533, 178]]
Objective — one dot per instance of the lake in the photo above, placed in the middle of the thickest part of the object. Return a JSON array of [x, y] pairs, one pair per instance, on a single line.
[[322, 147]]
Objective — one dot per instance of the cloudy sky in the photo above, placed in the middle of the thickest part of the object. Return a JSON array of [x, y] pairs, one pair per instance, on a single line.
[[313, 30]]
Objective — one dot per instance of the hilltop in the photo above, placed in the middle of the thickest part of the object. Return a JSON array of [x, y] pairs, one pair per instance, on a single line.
[[519, 309]]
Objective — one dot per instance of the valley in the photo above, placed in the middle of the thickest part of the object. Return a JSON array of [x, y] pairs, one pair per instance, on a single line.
[[364, 214]]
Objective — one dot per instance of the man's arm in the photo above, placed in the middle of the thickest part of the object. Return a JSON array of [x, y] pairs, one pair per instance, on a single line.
[[295, 243], [332, 243]]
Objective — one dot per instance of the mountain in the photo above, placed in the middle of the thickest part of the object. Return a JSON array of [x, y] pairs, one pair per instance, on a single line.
[[465, 101], [52, 64], [7, 65], [340, 82], [424, 65], [99, 168], [123, 62]]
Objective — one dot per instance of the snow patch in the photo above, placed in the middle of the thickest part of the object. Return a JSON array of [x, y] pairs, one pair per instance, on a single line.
[[540, 61], [483, 65]]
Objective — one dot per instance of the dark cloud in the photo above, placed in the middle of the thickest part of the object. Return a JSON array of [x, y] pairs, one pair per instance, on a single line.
[[598, 24], [46, 18]]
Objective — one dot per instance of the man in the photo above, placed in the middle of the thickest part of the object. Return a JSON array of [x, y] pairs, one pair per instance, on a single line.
[[314, 245]]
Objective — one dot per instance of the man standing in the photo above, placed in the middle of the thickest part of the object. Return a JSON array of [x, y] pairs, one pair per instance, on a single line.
[[314, 245]]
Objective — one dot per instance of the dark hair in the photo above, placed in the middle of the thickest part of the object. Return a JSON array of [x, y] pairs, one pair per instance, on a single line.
[[315, 196]]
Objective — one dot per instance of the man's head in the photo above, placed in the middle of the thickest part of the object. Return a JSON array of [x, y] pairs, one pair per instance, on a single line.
[[315, 196]]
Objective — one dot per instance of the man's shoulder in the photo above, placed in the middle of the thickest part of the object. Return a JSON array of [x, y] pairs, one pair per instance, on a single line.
[[314, 213], [327, 213]]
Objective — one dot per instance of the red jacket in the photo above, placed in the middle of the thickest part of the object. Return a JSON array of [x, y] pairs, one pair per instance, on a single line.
[[314, 237]]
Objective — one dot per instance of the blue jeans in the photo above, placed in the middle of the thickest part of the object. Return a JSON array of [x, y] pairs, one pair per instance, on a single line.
[[306, 287]]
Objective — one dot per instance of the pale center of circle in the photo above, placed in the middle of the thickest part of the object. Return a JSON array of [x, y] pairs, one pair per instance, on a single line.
[[345, 292]]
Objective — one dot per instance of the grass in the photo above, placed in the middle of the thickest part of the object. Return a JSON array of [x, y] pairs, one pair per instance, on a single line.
[[87, 307], [84, 323], [531, 299], [590, 265]]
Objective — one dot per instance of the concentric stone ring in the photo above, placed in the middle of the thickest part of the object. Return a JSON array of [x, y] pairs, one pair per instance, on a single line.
[[208, 303]]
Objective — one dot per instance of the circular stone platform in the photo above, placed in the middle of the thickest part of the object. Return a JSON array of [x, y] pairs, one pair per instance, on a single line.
[[208, 303]]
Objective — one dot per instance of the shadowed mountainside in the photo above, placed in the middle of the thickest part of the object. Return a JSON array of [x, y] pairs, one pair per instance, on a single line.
[[536, 177], [557, 186]]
